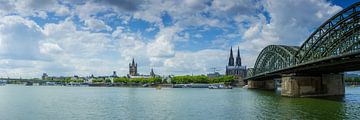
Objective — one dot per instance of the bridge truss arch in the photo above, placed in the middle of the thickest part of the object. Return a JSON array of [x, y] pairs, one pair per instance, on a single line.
[[338, 35], [275, 57]]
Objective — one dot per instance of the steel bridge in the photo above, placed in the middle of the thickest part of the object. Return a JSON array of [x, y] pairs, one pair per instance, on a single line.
[[315, 68], [333, 47]]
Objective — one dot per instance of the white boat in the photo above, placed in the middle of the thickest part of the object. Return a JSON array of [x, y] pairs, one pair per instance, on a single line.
[[219, 86], [213, 87], [2, 82]]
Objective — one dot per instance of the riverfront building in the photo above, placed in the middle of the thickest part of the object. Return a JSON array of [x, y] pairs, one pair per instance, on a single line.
[[235, 68]]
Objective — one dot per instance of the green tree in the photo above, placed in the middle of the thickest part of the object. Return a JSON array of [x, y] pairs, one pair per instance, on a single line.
[[121, 80]]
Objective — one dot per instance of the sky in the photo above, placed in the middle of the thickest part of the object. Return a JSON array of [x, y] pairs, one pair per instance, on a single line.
[[174, 37]]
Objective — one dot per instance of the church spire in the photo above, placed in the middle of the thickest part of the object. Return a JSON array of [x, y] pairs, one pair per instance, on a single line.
[[133, 61], [152, 74], [238, 58], [231, 58]]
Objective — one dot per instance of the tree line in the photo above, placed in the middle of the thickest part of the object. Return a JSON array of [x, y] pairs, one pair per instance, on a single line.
[[352, 79], [139, 80], [174, 80], [202, 79], [65, 80]]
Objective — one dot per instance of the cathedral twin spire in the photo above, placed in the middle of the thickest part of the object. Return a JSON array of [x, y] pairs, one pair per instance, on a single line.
[[231, 58]]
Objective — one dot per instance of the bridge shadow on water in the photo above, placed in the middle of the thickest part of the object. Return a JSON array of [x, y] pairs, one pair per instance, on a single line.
[[270, 104], [332, 98], [352, 94]]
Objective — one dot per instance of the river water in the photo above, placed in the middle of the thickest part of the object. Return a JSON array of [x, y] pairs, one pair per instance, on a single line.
[[104, 103]]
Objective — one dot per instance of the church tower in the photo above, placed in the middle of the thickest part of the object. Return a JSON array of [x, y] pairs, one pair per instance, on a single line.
[[238, 58], [231, 58], [133, 68]]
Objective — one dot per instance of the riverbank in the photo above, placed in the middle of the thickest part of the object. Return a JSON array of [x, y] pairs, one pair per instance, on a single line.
[[352, 83]]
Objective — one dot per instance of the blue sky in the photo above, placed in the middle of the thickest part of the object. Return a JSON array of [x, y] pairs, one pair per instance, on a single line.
[[178, 37]]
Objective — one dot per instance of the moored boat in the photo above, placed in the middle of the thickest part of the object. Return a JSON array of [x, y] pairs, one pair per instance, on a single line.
[[219, 86]]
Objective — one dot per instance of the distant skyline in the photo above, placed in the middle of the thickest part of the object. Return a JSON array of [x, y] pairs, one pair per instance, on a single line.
[[63, 37]]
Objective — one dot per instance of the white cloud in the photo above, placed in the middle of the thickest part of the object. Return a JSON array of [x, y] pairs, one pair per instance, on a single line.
[[50, 48], [289, 18], [41, 14], [163, 45], [150, 29], [19, 38], [62, 11], [199, 62], [291, 22], [97, 25], [198, 36], [33, 7], [87, 10], [59, 49], [230, 8], [253, 31]]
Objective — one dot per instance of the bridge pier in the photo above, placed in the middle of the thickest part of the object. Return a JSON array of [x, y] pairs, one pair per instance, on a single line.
[[294, 85], [263, 84]]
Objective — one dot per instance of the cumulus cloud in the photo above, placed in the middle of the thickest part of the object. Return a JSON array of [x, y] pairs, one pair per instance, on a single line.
[[163, 45], [127, 5], [88, 9], [199, 62], [288, 18], [19, 38], [50, 48], [58, 48], [5, 7], [291, 22], [33, 7], [230, 8], [97, 25]]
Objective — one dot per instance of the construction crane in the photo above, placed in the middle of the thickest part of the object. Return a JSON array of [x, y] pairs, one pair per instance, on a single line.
[[214, 69]]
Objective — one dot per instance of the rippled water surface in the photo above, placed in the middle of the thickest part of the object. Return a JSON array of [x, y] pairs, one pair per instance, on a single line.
[[96, 103]]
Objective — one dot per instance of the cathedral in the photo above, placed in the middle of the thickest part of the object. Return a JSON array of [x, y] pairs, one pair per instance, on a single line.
[[235, 68]]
